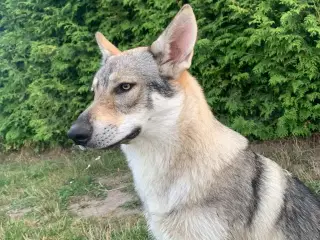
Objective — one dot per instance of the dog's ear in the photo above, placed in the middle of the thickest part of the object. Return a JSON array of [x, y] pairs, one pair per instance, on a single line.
[[174, 47], [107, 48]]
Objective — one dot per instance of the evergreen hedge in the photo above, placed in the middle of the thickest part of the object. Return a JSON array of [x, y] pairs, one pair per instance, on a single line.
[[258, 62]]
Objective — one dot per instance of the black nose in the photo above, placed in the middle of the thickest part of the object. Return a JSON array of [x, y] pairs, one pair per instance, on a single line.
[[80, 133]]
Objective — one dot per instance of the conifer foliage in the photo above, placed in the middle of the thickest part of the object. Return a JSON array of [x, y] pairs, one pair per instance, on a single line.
[[258, 62]]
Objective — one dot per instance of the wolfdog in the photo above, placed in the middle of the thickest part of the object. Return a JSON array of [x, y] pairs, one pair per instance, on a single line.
[[196, 178]]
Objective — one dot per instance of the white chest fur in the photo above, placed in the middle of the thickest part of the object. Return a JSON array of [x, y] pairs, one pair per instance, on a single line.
[[148, 166], [160, 196]]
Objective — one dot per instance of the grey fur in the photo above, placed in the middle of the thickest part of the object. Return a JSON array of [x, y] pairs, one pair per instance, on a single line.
[[238, 194], [140, 66], [300, 214]]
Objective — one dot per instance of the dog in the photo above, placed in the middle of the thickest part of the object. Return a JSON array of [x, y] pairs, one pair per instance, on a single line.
[[196, 178]]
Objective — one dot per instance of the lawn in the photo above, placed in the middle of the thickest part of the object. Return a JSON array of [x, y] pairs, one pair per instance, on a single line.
[[89, 195], [62, 195]]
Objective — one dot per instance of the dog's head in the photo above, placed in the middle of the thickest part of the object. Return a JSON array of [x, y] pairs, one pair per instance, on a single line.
[[133, 87]]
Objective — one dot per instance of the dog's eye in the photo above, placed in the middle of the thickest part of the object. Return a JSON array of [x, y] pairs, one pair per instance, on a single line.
[[123, 87]]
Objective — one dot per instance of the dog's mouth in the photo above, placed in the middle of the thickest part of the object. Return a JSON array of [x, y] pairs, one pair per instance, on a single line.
[[134, 133]]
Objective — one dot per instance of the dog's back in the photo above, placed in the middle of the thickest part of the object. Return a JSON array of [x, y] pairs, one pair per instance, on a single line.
[[299, 217]]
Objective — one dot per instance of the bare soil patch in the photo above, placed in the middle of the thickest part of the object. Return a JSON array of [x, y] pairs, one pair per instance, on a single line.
[[115, 202], [116, 181], [18, 213], [110, 206]]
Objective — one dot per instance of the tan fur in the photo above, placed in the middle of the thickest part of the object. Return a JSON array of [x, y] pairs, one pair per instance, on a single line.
[[103, 42], [198, 124], [194, 96], [106, 112]]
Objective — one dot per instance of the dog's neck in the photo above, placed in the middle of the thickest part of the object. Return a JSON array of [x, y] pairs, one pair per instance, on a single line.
[[202, 131], [181, 145]]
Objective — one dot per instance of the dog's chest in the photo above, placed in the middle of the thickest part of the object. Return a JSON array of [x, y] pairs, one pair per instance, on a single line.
[[161, 195], [149, 178]]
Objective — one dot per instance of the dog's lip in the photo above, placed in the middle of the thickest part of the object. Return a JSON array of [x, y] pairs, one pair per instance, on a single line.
[[134, 133]]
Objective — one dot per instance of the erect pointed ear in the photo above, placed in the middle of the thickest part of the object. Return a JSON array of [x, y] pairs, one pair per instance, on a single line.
[[174, 48], [107, 48]]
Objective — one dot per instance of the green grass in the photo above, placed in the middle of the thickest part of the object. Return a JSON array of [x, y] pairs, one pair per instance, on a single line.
[[66, 227], [314, 186], [36, 191], [42, 190]]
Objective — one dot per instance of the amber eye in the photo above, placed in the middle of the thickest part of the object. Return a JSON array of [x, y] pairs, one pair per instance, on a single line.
[[123, 87]]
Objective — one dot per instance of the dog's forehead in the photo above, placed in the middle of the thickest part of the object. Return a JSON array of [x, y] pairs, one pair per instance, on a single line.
[[138, 64]]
